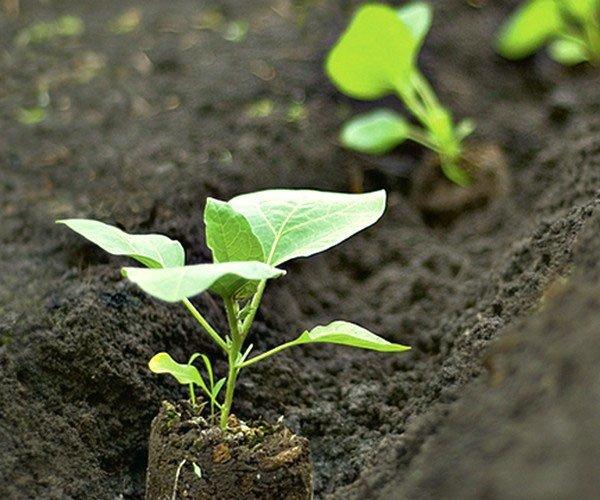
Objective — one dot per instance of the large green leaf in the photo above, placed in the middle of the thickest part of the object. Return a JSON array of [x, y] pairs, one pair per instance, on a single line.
[[177, 283], [152, 250], [185, 374], [348, 334], [376, 53], [528, 28], [375, 133], [292, 223], [229, 235], [417, 17]]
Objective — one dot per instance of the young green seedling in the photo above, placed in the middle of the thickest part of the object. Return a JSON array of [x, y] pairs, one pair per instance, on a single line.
[[376, 56], [571, 27], [249, 236]]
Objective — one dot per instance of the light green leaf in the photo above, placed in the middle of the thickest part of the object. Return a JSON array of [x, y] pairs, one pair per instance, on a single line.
[[375, 133], [348, 334], [177, 283], [417, 16], [185, 374], [583, 10], [197, 470], [465, 128], [152, 250], [230, 238], [376, 53], [528, 28], [229, 235], [567, 52], [217, 388], [292, 223]]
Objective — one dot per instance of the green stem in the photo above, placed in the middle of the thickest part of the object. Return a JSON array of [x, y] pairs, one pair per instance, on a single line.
[[254, 303], [205, 325], [267, 354], [232, 355], [420, 136], [192, 395]]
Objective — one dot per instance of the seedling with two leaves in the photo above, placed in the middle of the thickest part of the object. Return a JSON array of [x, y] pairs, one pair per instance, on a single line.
[[375, 57], [249, 236], [571, 27]]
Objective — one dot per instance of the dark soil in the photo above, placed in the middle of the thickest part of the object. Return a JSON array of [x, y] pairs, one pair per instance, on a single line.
[[499, 396], [253, 460]]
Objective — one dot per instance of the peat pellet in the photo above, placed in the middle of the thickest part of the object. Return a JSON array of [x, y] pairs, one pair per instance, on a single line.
[[189, 457]]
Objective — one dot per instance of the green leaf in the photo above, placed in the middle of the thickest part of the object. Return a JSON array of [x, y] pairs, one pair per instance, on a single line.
[[177, 283], [292, 223], [528, 28], [152, 250], [375, 133], [217, 388], [417, 16], [567, 52], [197, 470], [185, 374], [583, 10], [465, 128], [376, 53], [230, 237], [348, 334]]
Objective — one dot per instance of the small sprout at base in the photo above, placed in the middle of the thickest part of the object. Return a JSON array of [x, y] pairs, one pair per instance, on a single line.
[[375, 57], [197, 470], [63, 27], [31, 116], [571, 28], [248, 236]]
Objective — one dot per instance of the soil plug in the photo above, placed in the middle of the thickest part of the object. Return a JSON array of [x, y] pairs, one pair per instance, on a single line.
[[571, 28], [375, 57], [249, 236]]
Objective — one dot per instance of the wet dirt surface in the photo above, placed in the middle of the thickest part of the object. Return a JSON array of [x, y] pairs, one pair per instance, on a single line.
[[141, 126]]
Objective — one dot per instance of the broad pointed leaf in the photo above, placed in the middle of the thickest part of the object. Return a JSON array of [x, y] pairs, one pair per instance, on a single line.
[[177, 283], [417, 17], [376, 53], [567, 52], [292, 223], [348, 334], [528, 28], [185, 374], [229, 235], [152, 250], [375, 133]]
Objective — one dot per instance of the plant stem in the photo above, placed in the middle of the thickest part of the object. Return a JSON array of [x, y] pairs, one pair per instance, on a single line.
[[267, 354], [192, 395], [232, 355], [254, 303], [205, 324]]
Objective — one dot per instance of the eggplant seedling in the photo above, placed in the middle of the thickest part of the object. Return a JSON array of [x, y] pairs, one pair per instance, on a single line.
[[249, 236], [571, 27], [375, 57]]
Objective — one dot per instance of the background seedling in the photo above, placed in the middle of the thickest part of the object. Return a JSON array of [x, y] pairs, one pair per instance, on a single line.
[[571, 27], [376, 56], [248, 237]]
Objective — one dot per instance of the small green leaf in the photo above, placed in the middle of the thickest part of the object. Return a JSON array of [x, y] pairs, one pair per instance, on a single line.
[[465, 128], [348, 334], [197, 470], [376, 53], [417, 16], [177, 283], [292, 223], [229, 235], [185, 374], [568, 52], [375, 133], [31, 116], [528, 28], [217, 388], [152, 250]]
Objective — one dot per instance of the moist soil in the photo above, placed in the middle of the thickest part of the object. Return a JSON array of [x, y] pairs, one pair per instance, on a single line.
[[192, 458], [499, 396]]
